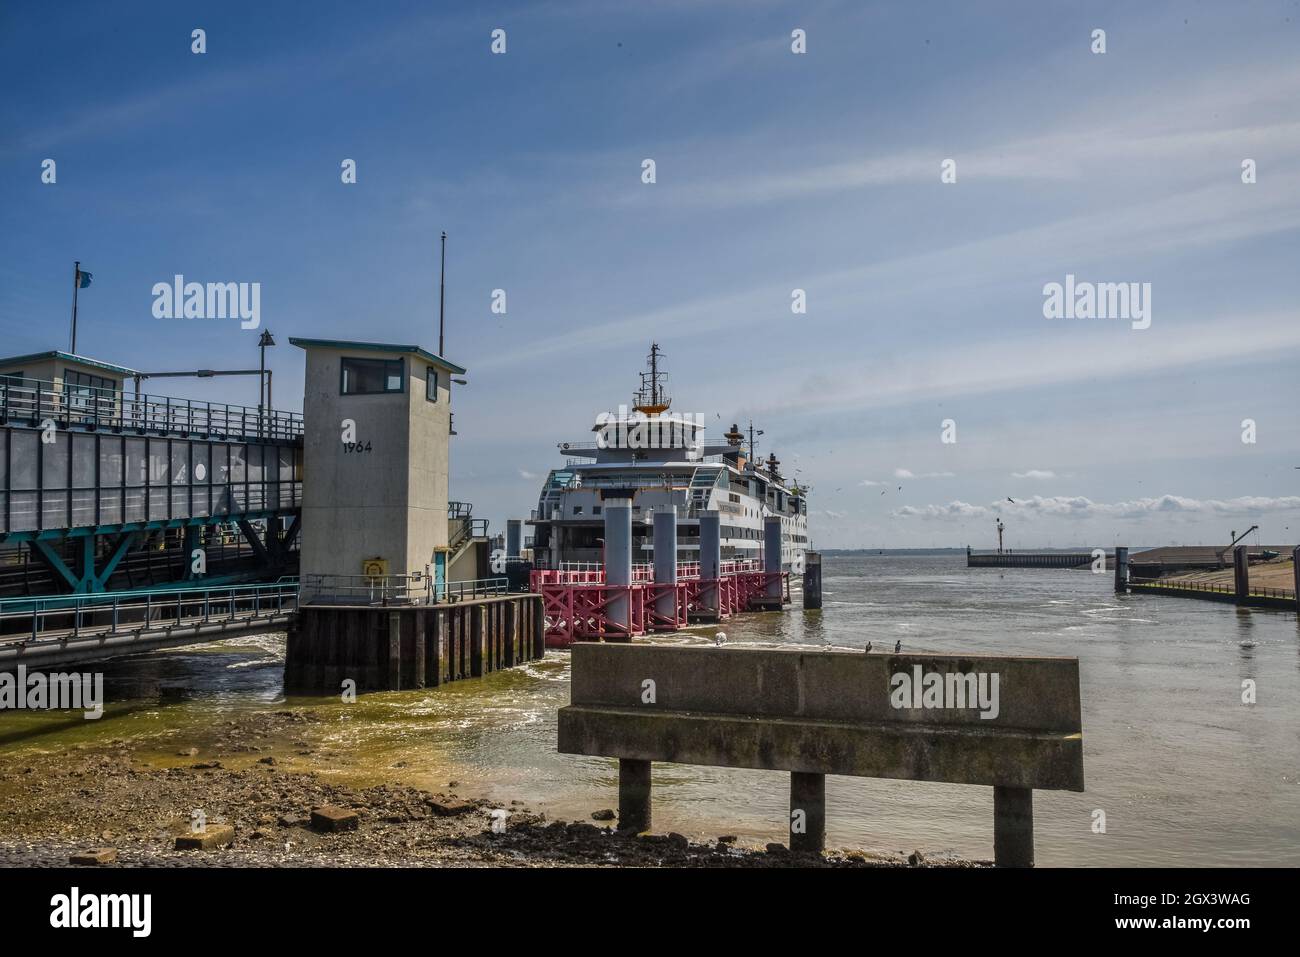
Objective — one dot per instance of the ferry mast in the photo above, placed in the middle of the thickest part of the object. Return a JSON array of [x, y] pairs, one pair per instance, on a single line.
[[652, 398]]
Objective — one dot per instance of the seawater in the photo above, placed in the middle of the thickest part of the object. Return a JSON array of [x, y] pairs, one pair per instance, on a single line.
[[1185, 773]]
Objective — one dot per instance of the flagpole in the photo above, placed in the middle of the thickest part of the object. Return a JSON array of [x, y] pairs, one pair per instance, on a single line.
[[442, 290], [76, 283]]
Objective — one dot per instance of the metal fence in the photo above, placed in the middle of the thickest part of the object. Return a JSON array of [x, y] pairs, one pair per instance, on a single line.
[[35, 400], [1214, 588], [152, 608], [413, 589]]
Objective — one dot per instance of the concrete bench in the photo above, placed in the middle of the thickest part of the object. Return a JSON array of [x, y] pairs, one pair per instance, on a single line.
[[1010, 723]]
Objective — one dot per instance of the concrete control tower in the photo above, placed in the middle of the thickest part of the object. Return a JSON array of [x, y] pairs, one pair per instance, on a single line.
[[377, 423]]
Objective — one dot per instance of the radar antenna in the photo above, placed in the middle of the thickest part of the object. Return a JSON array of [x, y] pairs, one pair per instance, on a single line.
[[652, 398]]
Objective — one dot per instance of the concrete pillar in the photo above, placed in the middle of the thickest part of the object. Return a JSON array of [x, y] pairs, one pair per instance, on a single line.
[[812, 579], [665, 539], [1013, 827], [1295, 569], [633, 795], [807, 795], [514, 537], [1121, 568], [710, 560], [618, 559], [1241, 573], [772, 555]]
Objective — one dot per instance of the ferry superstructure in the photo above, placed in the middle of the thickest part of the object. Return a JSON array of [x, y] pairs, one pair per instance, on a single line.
[[657, 458]]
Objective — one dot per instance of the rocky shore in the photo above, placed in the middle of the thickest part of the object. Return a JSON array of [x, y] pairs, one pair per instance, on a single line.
[[56, 804]]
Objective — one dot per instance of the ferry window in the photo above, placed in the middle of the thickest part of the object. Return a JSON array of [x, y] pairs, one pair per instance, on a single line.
[[370, 376], [577, 510], [431, 384], [595, 510]]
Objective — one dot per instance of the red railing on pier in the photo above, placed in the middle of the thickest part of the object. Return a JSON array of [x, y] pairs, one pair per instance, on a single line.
[[577, 601]]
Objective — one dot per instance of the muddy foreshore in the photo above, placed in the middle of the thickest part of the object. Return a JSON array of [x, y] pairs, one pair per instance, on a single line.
[[56, 803]]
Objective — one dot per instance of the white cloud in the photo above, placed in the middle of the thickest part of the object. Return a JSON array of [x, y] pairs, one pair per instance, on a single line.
[[1034, 474], [908, 474], [525, 474]]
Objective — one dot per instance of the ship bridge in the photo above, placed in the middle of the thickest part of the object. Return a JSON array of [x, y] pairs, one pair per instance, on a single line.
[[90, 475]]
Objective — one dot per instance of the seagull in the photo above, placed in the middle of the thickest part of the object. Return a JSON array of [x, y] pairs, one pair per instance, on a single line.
[[1011, 500], [898, 646], [719, 638], [868, 647]]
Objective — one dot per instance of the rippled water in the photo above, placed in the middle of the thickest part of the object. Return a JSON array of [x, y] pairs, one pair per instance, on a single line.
[[1185, 773]]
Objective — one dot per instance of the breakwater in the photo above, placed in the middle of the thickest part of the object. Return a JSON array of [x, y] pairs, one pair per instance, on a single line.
[[1033, 559]]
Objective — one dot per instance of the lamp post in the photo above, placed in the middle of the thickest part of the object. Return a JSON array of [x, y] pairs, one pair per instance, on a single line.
[[263, 386]]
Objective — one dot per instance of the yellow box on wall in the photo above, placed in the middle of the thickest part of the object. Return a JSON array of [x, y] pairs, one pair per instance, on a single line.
[[374, 567]]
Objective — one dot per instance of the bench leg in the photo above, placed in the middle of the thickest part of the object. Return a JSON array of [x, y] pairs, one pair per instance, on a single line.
[[1013, 827], [633, 795], [807, 795]]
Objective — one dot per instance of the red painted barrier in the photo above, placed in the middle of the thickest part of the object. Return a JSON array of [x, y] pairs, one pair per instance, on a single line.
[[575, 600]]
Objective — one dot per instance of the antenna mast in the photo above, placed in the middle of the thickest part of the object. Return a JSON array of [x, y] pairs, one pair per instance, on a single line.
[[442, 291], [652, 398]]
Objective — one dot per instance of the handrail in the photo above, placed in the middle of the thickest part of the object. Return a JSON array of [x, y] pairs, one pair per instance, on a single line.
[[470, 528], [413, 589], [32, 603], [39, 399], [170, 606]]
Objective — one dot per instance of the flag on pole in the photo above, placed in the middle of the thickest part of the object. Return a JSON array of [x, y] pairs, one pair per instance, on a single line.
[[83, 279]]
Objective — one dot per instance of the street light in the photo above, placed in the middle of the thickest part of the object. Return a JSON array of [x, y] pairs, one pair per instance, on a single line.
[[264, 384]]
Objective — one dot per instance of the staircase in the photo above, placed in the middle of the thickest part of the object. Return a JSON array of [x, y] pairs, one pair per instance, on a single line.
[[465, 535]]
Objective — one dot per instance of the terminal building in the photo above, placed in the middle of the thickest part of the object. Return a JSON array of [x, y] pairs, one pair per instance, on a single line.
[[376, 449]]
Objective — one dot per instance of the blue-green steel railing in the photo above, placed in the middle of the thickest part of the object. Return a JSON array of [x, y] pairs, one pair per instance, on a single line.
[[204, 605]]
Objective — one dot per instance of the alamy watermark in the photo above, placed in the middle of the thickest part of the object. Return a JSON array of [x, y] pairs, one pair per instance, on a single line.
[[214, 300], [1102, 300], [951, 690], [636, 430], [36, 691], [75, 909]]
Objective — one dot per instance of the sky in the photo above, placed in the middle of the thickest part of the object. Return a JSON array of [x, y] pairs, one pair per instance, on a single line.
[[774, 171]]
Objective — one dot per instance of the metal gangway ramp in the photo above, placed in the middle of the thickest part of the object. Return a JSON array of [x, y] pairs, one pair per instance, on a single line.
[[102, 470], [59, 630]]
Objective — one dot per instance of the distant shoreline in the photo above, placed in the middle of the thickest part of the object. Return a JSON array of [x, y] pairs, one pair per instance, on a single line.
[[961, 550]]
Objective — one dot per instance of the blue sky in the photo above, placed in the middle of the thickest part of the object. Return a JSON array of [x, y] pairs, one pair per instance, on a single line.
[[775, 171]]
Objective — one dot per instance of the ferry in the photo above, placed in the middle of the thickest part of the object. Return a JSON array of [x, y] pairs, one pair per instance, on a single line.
[[656, 457]]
